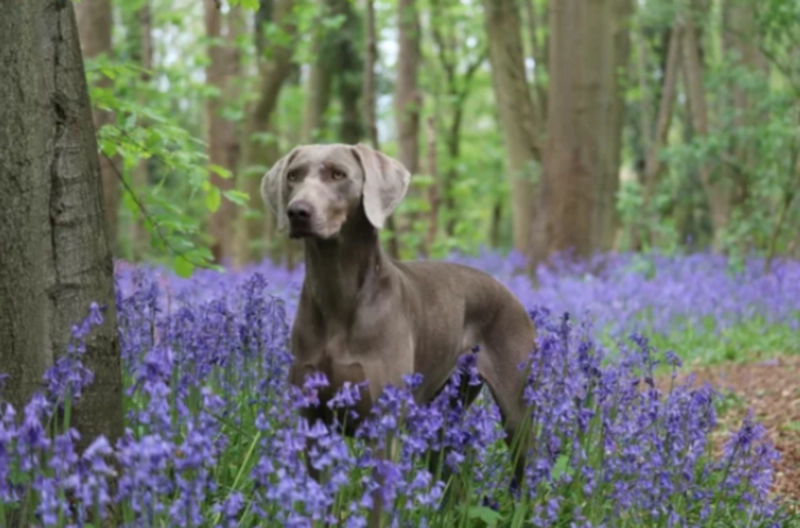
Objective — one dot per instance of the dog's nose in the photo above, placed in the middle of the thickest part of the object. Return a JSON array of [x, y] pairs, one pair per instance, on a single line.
[[299, 211]]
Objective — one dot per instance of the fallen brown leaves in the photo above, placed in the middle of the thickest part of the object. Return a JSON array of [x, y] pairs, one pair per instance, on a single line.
[[771, 388]]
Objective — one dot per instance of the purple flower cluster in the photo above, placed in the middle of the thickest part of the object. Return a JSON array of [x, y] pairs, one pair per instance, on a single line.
[[659, 294], [215, 436]]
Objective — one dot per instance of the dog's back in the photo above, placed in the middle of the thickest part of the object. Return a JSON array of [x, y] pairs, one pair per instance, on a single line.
[[456, 307]]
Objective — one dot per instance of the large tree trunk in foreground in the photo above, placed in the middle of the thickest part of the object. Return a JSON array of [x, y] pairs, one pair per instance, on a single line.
[[258, 152], [223, 136], [54, 255], [95, 25], [584, 121], [518, 117]]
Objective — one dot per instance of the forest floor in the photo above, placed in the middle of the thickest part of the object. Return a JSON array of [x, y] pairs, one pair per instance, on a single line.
[[771, 388]]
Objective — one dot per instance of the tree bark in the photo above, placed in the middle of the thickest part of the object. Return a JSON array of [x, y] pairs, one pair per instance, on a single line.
[[95, 25], [588, 47], [407, 98], [518, 118], [260, 153], [223, 135], [54, 255], [718, 193]]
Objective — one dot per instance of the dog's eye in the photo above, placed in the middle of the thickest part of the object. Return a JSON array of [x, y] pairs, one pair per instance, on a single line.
[[293, 175], [338, 175]]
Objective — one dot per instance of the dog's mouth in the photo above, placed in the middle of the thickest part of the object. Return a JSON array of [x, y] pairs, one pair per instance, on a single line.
[[301, 232]]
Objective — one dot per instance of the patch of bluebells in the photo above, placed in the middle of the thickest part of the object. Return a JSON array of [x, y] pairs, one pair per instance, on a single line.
[[214, 435], [657, 294]]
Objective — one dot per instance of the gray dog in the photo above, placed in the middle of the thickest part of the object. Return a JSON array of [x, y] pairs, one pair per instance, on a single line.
[[363, 316]]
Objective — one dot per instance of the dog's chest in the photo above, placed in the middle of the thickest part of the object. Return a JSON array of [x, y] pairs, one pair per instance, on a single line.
[[317, 345]]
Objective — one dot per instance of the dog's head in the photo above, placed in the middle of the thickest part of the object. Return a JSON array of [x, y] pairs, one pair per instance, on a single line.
[[314, 189]]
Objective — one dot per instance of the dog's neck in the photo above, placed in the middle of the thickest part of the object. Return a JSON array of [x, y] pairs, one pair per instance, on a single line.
[[338, 269]]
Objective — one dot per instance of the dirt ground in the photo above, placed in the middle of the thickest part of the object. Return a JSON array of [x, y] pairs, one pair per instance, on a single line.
[[771, 388]]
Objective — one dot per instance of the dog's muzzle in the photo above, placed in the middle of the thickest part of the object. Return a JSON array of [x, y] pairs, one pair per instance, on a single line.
[[300, 216]]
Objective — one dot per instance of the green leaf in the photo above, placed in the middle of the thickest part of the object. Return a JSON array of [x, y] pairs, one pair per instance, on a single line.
[[222, 171], [249, 4], [560, 467], [213, 199], [237, 197], [183, 267], [485, 514]]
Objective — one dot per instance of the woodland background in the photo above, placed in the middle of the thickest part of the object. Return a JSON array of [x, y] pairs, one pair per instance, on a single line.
[[655, 140], [533, 125]]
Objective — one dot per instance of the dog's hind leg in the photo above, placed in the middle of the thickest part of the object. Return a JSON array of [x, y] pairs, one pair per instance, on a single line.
[[503, 363]]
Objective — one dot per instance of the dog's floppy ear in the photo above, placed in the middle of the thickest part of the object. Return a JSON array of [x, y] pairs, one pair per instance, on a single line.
[[273, 188], [385, 183]]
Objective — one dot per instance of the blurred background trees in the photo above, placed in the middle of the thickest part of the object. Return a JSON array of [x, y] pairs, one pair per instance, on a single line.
[[541, 126]]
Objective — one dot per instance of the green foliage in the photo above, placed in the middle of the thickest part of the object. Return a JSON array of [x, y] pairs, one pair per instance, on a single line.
[[752, 146], [172, 206], [160, 121]]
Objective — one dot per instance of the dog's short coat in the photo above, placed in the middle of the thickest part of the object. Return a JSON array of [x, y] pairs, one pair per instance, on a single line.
[[363, 316]]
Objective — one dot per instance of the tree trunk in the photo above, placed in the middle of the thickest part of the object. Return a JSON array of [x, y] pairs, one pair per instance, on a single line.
[[143, 50], [739, 41], [350, 72], [261, 152], [318, 96], [320, 76], [95, 24], [223, 136], [54, 255], [408, 99], [717, 192], [433, 194], [539, 55], [613, 31], [453, 142], [518, 119], [371, 58], [664, 117], [370, 115], [654, 140], [588, 47]]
